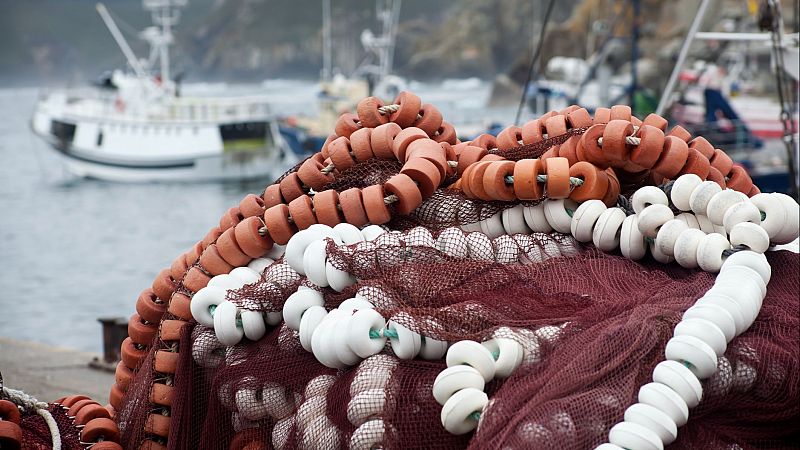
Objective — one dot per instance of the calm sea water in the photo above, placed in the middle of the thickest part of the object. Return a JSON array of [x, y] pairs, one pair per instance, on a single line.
[[73, 250]]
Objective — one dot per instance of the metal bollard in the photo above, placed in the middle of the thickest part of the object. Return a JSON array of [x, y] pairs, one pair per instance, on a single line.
[[115, 330]]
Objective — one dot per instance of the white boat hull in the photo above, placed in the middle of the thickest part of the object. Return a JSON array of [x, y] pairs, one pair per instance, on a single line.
[[115, 150], [214, 168]]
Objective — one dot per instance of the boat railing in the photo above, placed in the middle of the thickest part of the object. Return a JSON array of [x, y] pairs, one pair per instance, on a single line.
[[95, 104]]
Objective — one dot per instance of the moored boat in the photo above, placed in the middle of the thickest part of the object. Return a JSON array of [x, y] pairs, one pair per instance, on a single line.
[[137, 127]]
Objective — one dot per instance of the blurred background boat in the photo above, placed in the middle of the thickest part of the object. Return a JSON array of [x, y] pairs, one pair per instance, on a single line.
[[340, 92], [136, 125], [736, 85]]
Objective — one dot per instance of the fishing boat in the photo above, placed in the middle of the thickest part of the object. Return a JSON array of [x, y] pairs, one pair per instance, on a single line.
[[725, 98], [135, 126], [339, 92]]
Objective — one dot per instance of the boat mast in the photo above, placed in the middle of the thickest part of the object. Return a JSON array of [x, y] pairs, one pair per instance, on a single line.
[[121, 42], [388, 12], [666, 96], [165, 14]]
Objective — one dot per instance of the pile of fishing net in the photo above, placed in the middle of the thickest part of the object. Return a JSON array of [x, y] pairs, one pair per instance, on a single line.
[[330, 311]]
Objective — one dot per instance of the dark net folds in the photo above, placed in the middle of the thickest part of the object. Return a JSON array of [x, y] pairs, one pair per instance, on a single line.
[[593, 326]]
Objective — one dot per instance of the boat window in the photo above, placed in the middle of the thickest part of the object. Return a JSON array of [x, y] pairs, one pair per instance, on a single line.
[[100, 139]]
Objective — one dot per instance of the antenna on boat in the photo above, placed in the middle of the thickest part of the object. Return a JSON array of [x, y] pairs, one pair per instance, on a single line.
[[165, 14]]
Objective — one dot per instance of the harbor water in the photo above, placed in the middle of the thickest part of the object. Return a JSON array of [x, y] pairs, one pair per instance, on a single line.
[[73, 250]]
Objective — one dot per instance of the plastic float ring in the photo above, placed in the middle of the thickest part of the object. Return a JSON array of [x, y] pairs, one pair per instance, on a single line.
[[432, 348], [455, 378], [654, 419], [405, 343], [371, 434], [297, 304], [359, 334], [458, 412], [203, 301], [366, 405], [472, 354]]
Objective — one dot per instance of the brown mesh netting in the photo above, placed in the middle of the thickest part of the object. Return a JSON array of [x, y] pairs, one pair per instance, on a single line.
[[593, 326], [36, 434]]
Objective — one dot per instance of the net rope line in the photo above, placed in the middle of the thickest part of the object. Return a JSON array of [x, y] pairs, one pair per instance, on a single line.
[[390, 109], [28, 401], [630, 140], [573, 181]]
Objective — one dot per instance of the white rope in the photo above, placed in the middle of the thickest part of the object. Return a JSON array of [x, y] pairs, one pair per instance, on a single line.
[[25, 400], [388, 109], [630, 140], [30, 402], [53, 426]]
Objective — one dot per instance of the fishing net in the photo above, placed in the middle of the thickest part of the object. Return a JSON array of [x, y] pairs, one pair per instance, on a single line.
[[36, 432], [37, 435], [593, 327]]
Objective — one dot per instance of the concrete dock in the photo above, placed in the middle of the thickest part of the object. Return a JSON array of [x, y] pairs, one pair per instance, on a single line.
[[49, 373]]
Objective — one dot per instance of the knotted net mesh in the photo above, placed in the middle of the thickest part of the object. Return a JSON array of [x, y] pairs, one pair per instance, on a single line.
[[593, 327]]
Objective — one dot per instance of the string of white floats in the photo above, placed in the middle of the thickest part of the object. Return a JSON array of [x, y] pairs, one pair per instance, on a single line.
[[305, 254], [726, 310]]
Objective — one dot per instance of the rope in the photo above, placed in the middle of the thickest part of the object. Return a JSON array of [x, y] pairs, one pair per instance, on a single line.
[[626, 205], [388, 200], [736, 248], [383, 333], [30, 402], [25, 400], [573, 181], [667, 188], [55, 435], [533, 60], [630, 140], [388, 109]]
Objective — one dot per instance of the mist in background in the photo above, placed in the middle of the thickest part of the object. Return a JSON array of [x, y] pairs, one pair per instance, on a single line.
[[64, 42]]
